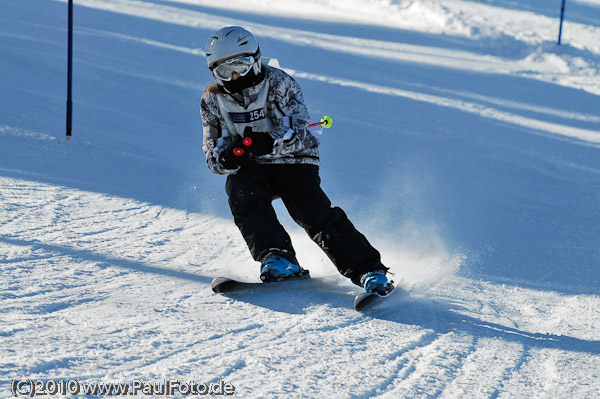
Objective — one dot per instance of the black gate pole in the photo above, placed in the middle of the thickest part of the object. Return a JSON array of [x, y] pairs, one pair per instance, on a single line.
[[562, 16], [70, 73]]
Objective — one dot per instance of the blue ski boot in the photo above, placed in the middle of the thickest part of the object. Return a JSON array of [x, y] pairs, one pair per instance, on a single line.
[[276, 267], [377, 283]]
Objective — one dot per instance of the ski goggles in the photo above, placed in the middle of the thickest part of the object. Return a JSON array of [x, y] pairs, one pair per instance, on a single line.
[[239, 65]]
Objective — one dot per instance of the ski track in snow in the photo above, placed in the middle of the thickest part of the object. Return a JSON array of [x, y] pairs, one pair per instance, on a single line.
[[533, 66], [101, 287], [110, 289], [578, 66]]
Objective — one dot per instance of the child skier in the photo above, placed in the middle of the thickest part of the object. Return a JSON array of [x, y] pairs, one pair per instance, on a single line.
[[255, 132]]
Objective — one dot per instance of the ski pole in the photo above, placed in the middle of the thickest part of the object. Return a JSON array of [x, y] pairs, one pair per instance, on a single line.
[[325, 122]]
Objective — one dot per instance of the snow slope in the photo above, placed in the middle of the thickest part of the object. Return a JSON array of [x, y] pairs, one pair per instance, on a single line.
[[465, 145]]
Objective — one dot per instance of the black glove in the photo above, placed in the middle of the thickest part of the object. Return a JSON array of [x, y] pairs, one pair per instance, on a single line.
[[258, 143], [235, 155]]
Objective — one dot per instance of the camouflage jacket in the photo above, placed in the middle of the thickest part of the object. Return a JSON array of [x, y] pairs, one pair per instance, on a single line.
[[285, 110]]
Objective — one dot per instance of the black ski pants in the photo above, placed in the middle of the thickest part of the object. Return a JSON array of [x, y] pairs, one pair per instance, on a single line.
[[251, 192]]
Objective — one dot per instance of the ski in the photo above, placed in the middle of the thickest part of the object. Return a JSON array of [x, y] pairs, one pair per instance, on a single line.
[[363, 300], [226, 285], [366, 300]]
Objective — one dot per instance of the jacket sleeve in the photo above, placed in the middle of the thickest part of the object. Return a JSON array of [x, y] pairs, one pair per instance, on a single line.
[[216, 137], [292, 134]]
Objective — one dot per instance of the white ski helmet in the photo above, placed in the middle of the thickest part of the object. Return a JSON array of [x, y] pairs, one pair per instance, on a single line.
[[231, 42]]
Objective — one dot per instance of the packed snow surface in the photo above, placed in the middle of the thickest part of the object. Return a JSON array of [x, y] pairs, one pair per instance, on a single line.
[[465, 145]]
